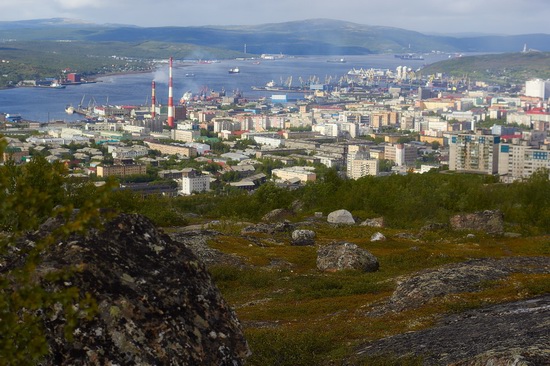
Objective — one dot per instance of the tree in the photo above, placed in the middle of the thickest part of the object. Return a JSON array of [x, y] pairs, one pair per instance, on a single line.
[[28, 195]]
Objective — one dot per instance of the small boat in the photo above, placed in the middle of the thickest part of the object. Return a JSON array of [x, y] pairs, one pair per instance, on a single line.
[[339, 61], [189, 75], [69, 109], [234, 70], [57, 85]]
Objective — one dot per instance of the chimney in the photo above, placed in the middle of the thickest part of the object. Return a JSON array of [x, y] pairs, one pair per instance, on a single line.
[[153, 99], [170, 98]]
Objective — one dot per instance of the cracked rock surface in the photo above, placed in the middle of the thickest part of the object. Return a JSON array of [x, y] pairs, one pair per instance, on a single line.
[[157, 304]]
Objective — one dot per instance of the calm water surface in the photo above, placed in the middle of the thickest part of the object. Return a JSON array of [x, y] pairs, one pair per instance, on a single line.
[[44, 104]]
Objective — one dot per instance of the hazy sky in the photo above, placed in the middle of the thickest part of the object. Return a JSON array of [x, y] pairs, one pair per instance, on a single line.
[[427, 16]]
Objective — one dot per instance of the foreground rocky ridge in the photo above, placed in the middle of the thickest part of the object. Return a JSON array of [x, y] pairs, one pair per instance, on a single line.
[[157, 304], [507, 334], [156, 301]]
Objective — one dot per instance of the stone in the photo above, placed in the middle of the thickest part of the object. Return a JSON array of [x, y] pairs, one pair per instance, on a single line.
[[377, 237], [513, 333], [421, 287], [303, 237], [263, 228], [343, 256], [276, 215], [157, 304], [376, 222], [341, 217], [490, 222]]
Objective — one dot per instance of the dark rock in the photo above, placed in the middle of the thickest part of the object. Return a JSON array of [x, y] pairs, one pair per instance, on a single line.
[[507, 334], [156, 301], [423, 286], [279, 227], [303, 237], [491, 222], [341, 217], [197, 241], [342, 256]]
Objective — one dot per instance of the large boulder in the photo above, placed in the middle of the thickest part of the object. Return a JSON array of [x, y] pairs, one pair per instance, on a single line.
[[341, 217], [342, 256], [156, 302], [303, 237], [491, 222]]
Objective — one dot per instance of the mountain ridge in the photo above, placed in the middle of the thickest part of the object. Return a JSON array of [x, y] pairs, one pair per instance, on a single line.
[[313, 36]]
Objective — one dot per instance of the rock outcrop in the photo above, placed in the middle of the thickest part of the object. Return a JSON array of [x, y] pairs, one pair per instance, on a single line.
[[375, 222], [262, 228], [491, 222], [156, 302], [418, 289], [501, 335], [303, 237], [197, 241], [341, 217], [342, 256]]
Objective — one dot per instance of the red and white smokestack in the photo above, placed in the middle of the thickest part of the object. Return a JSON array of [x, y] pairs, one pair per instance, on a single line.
[[153, 99], [170, 98]]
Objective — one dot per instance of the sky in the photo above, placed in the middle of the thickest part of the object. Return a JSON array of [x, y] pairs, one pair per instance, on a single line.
[[426, 16]]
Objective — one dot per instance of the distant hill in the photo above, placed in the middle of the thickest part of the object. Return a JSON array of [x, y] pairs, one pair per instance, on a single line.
[[314, 36], [500, 68]]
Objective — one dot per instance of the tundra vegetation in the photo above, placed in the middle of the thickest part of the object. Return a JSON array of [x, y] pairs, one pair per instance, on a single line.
[[292, 313]]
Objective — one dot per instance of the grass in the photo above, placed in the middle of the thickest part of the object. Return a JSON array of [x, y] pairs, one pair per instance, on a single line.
[[317, 318]]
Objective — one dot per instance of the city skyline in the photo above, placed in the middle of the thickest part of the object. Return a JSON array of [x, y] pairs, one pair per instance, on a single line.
[[461, 17]]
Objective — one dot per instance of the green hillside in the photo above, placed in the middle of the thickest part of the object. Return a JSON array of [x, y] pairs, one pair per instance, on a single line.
[[499, 68]]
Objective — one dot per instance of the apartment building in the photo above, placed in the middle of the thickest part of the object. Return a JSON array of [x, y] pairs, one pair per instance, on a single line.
[[121, 170], [476, 153], [193, 181], [517, 162]]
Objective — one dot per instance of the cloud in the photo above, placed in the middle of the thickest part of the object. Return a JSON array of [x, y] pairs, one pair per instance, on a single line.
[[487, 16]]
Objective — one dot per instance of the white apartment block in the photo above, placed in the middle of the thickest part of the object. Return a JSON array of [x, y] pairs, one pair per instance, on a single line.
[[193, 181], [474, 153], [520, 161], [358, 168], [537, 88]]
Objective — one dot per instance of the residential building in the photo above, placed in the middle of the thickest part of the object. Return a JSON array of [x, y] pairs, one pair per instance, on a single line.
[[299, 173], [476, 153], [537, 88], [193, 181], [362, 165], [520, 160], [121, 170]]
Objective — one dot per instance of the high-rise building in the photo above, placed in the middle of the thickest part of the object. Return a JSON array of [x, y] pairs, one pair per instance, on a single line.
[[362, 165], [476, 153], [537, 88], [520, 161]]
